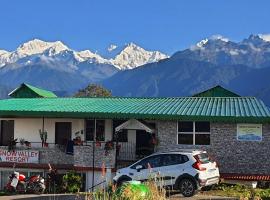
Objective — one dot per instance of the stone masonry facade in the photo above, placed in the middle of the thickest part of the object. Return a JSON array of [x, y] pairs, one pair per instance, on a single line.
[[233, 156], [83, 156]]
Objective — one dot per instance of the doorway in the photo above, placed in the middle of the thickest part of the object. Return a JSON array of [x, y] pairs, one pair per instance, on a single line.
[[7, 132], [62, 132], [143, 144]]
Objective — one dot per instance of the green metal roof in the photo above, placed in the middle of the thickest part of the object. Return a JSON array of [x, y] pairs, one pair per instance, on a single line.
[[29, 91], [242, 109], [216, 91]]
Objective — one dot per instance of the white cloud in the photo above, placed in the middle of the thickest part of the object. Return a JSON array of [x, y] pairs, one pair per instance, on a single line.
[[219, 37], [112, 47]]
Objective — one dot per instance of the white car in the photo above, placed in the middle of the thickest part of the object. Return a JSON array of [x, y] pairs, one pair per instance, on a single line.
[[185, 170]]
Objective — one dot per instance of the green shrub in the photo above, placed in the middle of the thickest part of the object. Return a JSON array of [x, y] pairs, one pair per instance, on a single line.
[[72, 182]]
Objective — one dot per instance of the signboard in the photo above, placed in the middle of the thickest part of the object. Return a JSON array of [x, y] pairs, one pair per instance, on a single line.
[[249, 132], [19, 156]]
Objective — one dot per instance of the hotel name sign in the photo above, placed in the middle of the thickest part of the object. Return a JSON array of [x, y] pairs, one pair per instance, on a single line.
[[19, 156]]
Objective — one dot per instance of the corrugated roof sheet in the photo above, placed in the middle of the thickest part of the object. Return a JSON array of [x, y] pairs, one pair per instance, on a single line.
[[182, 108], [216, 91], [40, 92]]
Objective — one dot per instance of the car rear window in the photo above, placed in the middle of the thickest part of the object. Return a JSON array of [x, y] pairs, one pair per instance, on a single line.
[[203, 158]]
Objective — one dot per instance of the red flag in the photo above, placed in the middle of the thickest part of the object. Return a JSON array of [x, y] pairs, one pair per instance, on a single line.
[[103, 170]]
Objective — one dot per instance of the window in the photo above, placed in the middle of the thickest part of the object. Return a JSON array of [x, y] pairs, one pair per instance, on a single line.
[[123, 134], [174, 159], [100, 130], [94, 129], [193, 133], [153, 161], [89, 130]]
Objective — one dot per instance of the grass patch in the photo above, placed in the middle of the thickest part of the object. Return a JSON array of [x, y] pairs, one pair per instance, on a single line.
[[239, 191], [129, 192]]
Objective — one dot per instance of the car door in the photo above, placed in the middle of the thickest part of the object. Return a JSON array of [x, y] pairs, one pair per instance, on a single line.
[[173, 167], [150, 168]]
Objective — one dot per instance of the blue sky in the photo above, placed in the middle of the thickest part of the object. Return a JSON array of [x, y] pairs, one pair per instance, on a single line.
[[166, 25]]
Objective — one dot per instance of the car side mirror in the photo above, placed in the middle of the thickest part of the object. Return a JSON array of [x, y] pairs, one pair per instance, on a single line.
[[138, 168]]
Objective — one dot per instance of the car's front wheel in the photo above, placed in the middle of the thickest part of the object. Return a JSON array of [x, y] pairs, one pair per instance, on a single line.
[[122, 180], [187, 187]]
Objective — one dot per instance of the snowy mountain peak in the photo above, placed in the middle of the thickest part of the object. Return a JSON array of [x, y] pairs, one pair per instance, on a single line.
[[219, 38], [202, 43], [91, 57], [212, 39], [265, 37], [2, 52], [37, 46], [133, 56]]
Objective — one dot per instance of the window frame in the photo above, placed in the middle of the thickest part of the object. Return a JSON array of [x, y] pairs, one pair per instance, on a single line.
[[193, 133], [95, 130]]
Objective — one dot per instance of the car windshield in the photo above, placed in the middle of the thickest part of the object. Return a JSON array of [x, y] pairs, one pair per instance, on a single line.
[[203, 158]]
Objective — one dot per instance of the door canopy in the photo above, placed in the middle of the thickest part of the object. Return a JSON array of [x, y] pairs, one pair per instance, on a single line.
[[134, 124]]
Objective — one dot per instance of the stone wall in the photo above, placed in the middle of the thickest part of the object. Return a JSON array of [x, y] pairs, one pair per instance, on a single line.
[[83, 156], [55, 156], [232, 156]]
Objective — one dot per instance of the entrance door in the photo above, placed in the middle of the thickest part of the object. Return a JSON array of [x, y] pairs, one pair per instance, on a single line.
[[143, 143], [62, 132], [7, 132]]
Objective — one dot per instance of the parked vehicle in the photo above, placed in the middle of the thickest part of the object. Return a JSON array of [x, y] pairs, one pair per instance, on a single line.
[[185, 170], [18, 183]]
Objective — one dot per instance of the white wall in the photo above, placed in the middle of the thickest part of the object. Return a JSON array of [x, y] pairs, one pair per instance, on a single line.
[[28, 128], [98, 179]]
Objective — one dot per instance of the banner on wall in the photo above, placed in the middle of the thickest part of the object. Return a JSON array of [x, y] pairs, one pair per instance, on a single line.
[[249, 132], [19, 156]]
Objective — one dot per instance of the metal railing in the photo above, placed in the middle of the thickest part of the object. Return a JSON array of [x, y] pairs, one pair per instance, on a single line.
[[131, 151]]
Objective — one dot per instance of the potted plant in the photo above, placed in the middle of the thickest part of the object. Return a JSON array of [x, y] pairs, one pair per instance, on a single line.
[[109, 145], [12, 144], [77, 140], [22, 141], [98, 144]]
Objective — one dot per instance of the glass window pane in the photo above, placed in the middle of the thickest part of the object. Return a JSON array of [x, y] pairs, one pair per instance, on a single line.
[[202, 126], [185, 126], [202, 139], [89, 130], [204, 158], [100, 130], [153, 161], [185, 138], [172, 159]]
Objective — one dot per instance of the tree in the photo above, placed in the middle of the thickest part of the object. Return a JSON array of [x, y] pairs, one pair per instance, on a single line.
[[94, 90]]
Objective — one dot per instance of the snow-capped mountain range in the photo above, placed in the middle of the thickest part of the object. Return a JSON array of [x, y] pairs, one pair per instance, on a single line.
[[253, 51], [131, 56], [130, 70]]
